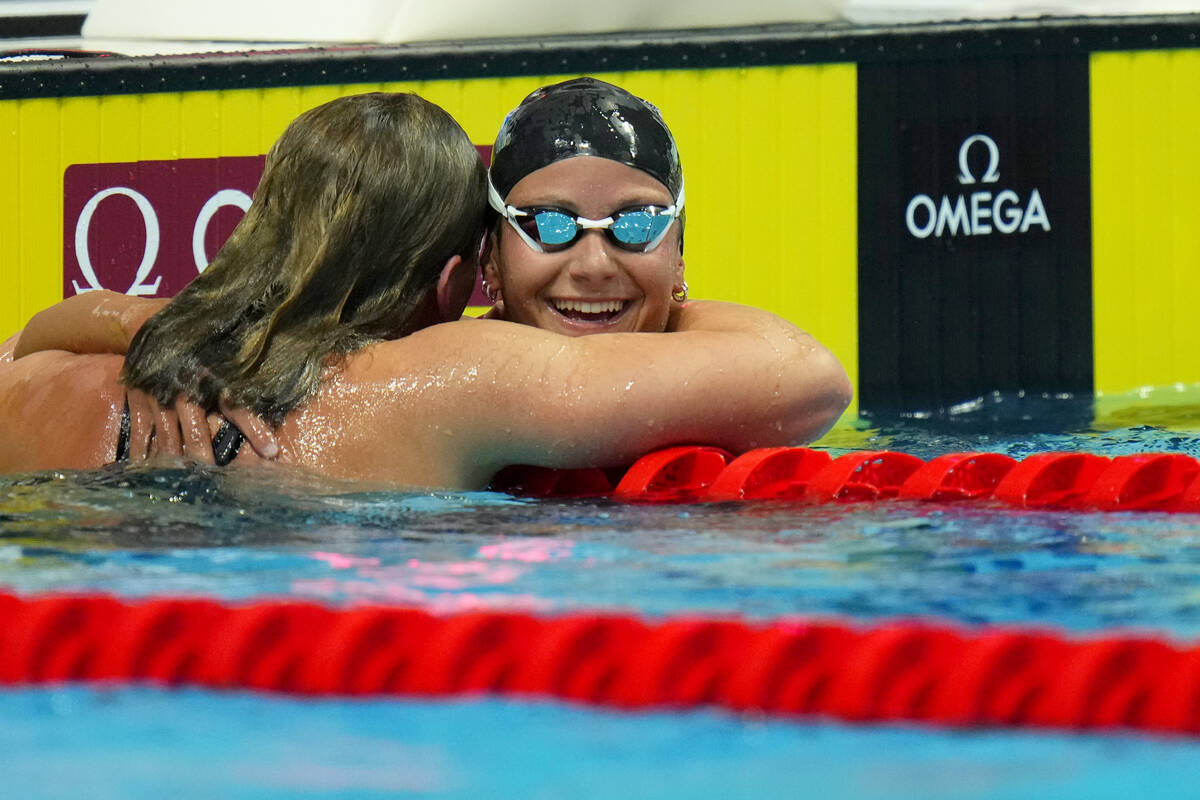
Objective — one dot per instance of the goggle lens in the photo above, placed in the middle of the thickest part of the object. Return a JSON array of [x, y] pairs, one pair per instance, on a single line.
[[639, 227], [555, 227]]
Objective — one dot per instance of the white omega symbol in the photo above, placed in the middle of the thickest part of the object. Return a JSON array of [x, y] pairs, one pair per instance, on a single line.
[[225, 197], [993, 169], [139, 286]]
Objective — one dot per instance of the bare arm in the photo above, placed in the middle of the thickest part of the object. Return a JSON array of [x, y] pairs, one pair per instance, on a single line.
[[95, 322], [498, 393], [730, 375]]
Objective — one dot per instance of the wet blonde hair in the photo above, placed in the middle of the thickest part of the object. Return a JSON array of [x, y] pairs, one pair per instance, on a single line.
[[361, 202]]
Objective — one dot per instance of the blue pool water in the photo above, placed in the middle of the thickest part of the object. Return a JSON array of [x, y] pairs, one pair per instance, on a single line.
[[237, 534], [138, 743]]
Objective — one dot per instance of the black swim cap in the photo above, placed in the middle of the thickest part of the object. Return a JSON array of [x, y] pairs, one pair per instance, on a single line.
[[584, 117]]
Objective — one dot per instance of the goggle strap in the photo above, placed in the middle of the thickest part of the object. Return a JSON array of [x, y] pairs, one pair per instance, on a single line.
[[529, 240], [509, 213], [495, 200], [674, 211]]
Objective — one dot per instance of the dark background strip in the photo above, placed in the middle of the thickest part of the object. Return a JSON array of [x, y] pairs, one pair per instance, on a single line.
[[42, 26], [693, 49]]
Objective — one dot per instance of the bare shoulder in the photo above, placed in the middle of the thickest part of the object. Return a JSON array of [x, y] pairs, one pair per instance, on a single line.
[[409, 411], [458, 357], [465, 339], [448, 405], [59, 410]]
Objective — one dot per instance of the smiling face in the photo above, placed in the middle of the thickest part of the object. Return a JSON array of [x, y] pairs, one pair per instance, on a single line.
[[593, 286]]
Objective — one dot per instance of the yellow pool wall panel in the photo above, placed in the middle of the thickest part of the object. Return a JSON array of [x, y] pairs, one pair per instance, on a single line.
[[1146, 219], [769, 158]]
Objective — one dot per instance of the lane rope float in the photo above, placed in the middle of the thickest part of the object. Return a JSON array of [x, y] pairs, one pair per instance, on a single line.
[[900, 671], [696, 474]]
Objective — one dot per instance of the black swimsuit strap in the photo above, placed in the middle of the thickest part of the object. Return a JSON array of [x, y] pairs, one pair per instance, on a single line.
[[226, 443], [123, 435]]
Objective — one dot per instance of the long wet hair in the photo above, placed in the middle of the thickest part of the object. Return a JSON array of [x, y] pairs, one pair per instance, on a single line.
[[361, 202]]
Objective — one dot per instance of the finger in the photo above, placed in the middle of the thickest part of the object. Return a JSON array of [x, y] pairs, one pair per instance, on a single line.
[[167, 438], [257, 432], [141, 423], [193, 425]]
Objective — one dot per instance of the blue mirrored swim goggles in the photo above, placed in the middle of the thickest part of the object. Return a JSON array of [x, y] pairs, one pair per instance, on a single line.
[[638, 229]]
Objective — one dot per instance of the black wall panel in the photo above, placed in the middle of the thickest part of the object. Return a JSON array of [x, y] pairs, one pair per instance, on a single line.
[[974, 230]]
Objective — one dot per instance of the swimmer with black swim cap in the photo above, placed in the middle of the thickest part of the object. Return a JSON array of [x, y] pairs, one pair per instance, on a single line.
[[573, 158]]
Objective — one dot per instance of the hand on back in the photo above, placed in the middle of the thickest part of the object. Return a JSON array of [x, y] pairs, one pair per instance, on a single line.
[[185, 430]]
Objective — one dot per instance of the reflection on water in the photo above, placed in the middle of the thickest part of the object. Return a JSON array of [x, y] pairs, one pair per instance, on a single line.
[[1018, 424]]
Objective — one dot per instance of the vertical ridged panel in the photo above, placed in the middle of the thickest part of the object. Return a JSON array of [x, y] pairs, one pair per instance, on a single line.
[[836, 232], [159, 127], [1146, 166], [199, 123], [80, 143], [10, 228], [239, 120], [277, 108], [39, 205]]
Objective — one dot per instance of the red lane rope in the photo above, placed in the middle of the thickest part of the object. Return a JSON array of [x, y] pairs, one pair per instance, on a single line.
[[1080, 481], [897, 671]]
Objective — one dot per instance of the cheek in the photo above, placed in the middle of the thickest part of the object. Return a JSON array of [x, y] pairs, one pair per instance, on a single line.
[[522, 273], [656, 282]]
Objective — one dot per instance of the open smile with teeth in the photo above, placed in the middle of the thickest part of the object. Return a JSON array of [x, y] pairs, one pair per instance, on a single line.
[[585, 311]]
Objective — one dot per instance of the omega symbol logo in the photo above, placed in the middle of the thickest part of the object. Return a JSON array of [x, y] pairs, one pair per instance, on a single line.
[[981, 212], [141, 281], [993, 169]]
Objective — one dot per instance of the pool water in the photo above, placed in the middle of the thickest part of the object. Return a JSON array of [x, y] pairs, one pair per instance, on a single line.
[[127, 744], [239, 534]]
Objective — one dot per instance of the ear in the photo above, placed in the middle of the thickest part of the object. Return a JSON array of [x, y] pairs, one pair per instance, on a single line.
[[454, 287], [489, 257]]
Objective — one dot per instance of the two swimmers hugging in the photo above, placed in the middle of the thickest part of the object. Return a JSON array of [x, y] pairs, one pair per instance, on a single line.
[[328, 326]]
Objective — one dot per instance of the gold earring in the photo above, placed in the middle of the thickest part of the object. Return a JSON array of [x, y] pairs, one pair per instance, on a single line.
[[680, 294]]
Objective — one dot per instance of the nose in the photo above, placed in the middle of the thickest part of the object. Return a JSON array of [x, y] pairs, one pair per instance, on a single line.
[[592, 258]]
